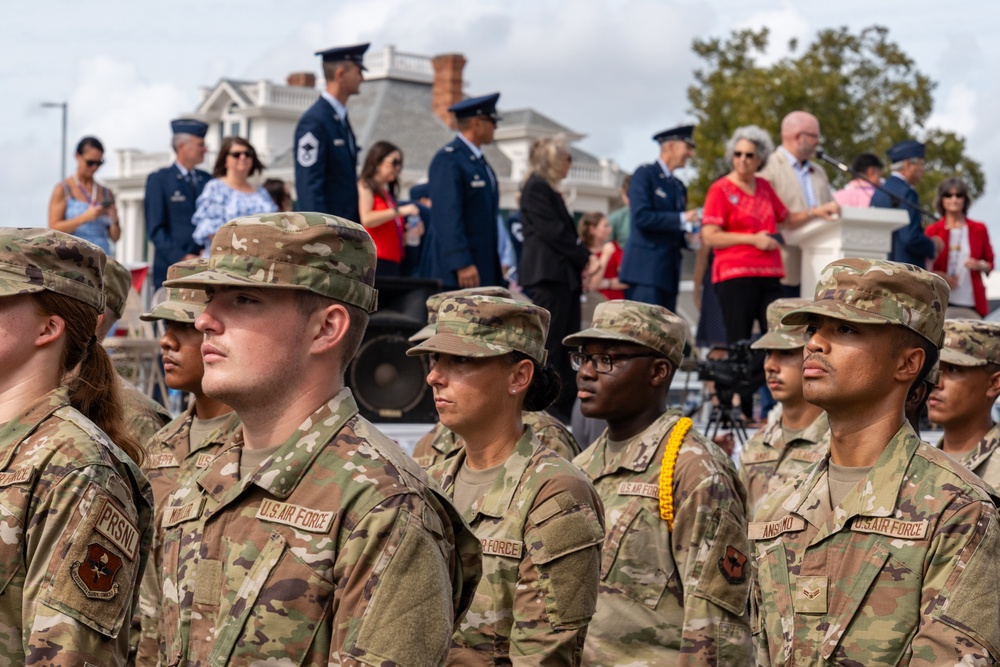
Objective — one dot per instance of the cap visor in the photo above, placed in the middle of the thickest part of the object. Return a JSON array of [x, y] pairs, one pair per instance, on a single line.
[[774, 340], [175, 311], [423, 334], [577, 339], [213, 278], [446, 343], [840, 311], [956, 358]]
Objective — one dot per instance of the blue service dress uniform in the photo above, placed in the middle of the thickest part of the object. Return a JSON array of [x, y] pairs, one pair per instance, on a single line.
[[169, 206], [909, 244], [326, 163], [651, 263], [466, 203]]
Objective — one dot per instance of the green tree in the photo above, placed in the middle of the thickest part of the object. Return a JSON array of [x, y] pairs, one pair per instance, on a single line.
[[866, 92]]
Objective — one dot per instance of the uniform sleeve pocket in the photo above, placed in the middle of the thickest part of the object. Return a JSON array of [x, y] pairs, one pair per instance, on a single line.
[[637, 560], [725, 566]]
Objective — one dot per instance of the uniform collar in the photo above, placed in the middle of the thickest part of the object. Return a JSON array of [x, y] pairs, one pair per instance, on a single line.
[[445, 441], [989, 444], [496, 502], [19, 428], [476, 150], [636, 455], [793, 161], [181, 168], [338, 108], [876, 496], [664, 168]]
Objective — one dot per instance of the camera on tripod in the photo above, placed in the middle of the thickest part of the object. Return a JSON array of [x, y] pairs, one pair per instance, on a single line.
[[740, 371]]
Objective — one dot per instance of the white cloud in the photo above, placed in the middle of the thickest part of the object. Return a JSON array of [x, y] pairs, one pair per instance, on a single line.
[[957, 112], [784, 25]]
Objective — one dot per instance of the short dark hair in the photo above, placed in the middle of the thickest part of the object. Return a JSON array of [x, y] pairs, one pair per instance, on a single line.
[[379, 151], [951, 185], [909, 338], [89, 142], [330, 68], [588, 223], [309, 302], [866, 161]]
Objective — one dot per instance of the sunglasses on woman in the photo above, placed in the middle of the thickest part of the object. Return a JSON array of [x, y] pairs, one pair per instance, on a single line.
[[236, 155]]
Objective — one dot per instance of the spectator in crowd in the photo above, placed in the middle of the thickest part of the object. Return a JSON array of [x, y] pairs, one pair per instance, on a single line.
[[230, 194], [909, 244], [80, 205], [538, 519], [620, 220], [858, 192], [962, 400], [326, 151], [801, 184], [170, 198], [553, 258], [651, 264], [595, 232], [968, 254], [278, 190], [420, 196], [381, 215], [460, 249]]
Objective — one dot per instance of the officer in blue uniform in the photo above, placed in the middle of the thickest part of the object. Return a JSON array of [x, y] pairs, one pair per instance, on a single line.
[[326, 151], [909, 244], [460, 248], [170, 198], [651, 263]]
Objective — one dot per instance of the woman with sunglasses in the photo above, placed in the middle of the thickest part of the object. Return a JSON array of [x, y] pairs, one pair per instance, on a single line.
[[80, 205], [539, 520], [967, 254], [381, 215], [230, 194]]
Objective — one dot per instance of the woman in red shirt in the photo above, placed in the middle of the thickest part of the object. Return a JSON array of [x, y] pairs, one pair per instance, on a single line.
[[967, 256], [595, 233], [384, 219], [740, 222]]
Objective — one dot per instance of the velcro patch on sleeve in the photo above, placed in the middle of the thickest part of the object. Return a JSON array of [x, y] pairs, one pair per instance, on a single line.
[[304, 518], [20, 475], [639, 489], [883, 525], [116, 527], [766, 530]]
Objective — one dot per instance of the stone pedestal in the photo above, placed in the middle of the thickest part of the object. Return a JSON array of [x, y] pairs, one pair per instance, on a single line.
[[859, 232]]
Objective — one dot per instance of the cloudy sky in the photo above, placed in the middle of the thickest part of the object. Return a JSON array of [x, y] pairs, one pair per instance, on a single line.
[[615, 70]]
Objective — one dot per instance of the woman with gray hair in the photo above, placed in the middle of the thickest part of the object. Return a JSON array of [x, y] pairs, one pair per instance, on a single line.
[[552, 256], [741, 218]]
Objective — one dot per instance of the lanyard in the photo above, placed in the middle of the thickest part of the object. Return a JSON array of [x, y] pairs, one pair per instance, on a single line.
[[92, 197]]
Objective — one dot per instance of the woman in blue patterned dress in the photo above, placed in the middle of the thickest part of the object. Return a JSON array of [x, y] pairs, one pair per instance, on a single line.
[[80, 205]]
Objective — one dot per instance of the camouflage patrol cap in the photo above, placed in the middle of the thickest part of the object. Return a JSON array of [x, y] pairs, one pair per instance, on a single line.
[[179, 304], [435, 300], [971, 343], [117, 283], [779, 336], [646, 324], [33, 260], [487, 326], [873, 291], [315, 252]]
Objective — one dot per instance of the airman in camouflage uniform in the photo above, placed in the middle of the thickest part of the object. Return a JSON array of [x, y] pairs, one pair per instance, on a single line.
[[539, 520], [334, 548], [172, 459], [962, 398], [892, 564], [441, 442], [800, 436], [668, 595], [76, 511]]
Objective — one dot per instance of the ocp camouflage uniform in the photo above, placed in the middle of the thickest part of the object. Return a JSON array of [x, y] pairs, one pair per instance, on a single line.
[[983, 461], [666, 597], [337, 549], [767, 462], [75, 511], [540, 527], [901, 571], [440, 443]]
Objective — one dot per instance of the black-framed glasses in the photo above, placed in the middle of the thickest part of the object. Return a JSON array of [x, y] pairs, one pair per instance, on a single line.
[[603, 363]]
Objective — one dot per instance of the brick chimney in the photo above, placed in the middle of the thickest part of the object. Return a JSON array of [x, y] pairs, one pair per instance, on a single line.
[[302, 79], [447, 88]]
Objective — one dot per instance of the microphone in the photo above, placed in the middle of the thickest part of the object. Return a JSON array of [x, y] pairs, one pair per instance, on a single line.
[[894, 198], [835, 162]]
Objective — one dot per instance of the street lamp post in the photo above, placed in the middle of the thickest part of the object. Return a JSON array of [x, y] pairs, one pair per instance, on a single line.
[[64, 106]]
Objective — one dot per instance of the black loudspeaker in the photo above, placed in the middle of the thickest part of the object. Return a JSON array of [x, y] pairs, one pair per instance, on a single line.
[[389, 386]]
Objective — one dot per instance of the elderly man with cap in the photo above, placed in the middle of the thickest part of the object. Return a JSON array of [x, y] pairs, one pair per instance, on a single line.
[[170, 198], [441, 442], [182, 448], [326, 151], [460, 249], [800, 436], [651, 263], [962, 400], [310, 538], [909, 244], [674, 573], [886, 551]]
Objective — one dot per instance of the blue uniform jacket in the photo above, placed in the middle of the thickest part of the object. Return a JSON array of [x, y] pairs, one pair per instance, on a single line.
[[909, 244], [326, 169], [466, 203], [653, 251], [169, 206]]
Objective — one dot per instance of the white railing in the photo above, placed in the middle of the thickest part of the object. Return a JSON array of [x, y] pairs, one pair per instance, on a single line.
[[132, 162], [290, 97], [388, 62], [605, 173]]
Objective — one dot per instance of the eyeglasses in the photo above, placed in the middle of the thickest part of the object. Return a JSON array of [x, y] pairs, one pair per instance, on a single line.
[[93, 163], [749, 156], [397, 163], [603, 363], [813, 135], [236, 155], [949, 195]]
